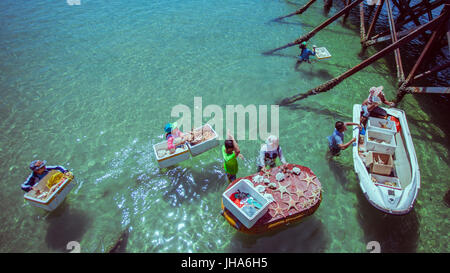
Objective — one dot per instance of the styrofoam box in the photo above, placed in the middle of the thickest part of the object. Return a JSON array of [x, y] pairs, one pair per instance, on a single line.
[[386, 148], [173, 159], [243, 186], [206, 145], [322, 53], [374, 124], [383, 179], [56, 198]]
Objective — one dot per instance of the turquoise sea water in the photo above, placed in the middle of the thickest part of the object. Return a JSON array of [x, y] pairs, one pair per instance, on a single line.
[[90, 87]]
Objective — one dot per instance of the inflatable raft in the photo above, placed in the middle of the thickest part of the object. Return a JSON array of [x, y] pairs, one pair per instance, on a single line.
[[50, 198], [291, 193]]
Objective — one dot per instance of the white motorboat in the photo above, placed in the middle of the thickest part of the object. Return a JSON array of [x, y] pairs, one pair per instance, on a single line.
[[386, 163]]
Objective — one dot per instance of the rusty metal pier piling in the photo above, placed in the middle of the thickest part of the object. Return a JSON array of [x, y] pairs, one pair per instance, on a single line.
[[439, 28]]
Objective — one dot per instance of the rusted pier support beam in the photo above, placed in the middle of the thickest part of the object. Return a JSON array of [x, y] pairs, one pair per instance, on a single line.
[[327, 5], [299, 11], [431, 71], [388, 37], [317, 29], [362, 27], [374, 21], [441, 27], [398, 58], [348, 12], [400, 21], [333, 82]]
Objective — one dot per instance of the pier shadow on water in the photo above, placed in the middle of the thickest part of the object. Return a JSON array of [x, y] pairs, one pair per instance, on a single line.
[[66, 224], [395, 233], [307, 236]]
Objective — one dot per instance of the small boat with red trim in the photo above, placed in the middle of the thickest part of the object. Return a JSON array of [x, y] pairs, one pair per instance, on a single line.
[[271, 198]]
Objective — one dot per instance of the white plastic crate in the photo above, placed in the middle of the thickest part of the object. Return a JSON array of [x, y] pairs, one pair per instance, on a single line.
[[381, 179], [387, 147], [244, 186], [206, 145], [322, 53], [172, 159], [375, 124], [55, 199]]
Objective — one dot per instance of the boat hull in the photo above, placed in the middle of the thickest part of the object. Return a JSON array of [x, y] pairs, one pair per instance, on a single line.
[[389, 199]]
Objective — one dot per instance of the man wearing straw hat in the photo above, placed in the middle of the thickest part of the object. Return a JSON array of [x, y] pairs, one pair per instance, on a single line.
[[269, 152], [39, 171]]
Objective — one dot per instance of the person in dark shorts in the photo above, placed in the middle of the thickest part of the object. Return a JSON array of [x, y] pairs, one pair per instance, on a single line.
[[304, 54]]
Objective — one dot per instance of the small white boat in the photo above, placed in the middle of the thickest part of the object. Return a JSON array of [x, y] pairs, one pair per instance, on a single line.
[[50, 199], [386, 163]]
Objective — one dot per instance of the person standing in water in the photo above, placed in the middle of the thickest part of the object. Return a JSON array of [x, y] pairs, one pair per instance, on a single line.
[[231, 151], [269, 152], [304, 54], [336, 140]]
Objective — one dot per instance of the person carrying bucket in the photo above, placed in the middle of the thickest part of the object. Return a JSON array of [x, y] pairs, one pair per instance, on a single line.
[[269, 152]]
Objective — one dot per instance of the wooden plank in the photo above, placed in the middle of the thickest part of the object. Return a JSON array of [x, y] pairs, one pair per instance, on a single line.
[[430, 90]]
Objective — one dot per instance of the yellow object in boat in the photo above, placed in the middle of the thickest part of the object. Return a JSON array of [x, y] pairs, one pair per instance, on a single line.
[[54, 179]]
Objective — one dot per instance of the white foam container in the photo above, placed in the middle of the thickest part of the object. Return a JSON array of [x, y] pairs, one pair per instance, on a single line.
[[206, 145], [385, 148], [173, 158], [381, 179], [374, 125], [322, 53], [244, 186], [56, 198]]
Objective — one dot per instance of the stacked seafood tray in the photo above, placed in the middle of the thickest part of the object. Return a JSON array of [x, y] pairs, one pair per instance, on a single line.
[[380, 146], [198, 141]]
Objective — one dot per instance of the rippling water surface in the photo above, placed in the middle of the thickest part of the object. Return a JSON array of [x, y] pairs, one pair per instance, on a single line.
[[90, 87]]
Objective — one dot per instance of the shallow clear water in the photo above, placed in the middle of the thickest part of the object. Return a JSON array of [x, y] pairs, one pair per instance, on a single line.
[[90, 87]]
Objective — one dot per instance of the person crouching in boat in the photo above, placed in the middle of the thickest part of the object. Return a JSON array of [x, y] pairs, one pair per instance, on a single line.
[[230, 151], [175, 138], [370, 106], [269, 152], [39, 171], [336, 140]]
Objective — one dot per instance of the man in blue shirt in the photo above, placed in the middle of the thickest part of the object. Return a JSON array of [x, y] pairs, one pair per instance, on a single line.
[[304, 54], [336, 140], [39, 171]]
